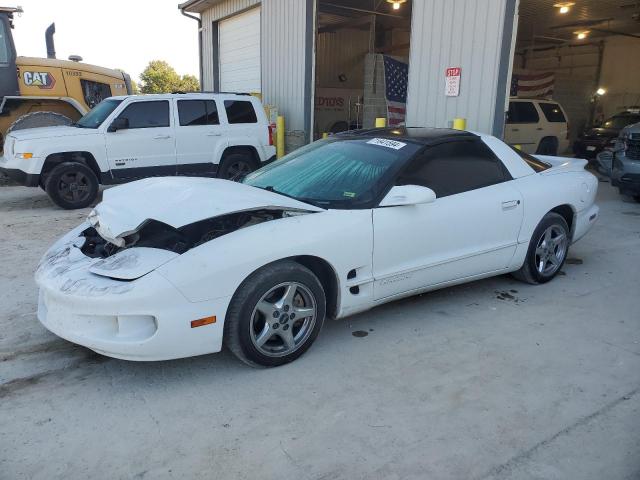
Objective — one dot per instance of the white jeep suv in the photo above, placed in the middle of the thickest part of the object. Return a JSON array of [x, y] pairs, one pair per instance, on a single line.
[[131, 137]]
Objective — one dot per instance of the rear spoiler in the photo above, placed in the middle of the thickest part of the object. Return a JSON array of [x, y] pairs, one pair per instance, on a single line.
[[562, 164]]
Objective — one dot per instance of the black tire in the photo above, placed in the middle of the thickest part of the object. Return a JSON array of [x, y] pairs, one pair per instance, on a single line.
[[40, 119], [548, 146], [72, 185], [235, 166], [244, 322], [530, 272]]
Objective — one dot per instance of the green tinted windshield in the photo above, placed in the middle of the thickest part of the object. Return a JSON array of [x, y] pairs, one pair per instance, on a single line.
[[335, 173], [98, 114]]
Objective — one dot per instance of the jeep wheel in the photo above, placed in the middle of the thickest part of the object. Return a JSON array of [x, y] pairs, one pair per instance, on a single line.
[[236, 166], [72, 185]]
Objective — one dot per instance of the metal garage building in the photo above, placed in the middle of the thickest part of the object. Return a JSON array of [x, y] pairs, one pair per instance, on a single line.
[[475, 36], [318, 60]]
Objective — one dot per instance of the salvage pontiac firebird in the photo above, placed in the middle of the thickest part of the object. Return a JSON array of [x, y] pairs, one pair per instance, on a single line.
[[173, 267]]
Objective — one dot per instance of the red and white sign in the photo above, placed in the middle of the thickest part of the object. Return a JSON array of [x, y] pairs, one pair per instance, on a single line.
[[452, 82]]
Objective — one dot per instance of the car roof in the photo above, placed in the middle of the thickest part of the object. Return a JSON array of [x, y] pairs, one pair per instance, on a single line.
[[420, 135], [167, 96]]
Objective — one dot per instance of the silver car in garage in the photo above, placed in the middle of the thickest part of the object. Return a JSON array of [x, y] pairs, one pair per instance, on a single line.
[[622, 163]]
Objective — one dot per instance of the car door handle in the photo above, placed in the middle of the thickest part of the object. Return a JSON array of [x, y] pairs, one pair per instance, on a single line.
[[539, 129], [161, 137], [510, 204], [214, 134], [515, 129]]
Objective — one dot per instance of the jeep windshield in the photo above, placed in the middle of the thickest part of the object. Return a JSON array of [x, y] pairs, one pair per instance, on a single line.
[[98, 114], [341, 173]]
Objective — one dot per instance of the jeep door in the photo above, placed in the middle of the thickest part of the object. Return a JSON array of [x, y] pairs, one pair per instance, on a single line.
[[200, 138], [144, 143]]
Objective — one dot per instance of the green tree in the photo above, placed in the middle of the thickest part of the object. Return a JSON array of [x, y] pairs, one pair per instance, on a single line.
[[189, 83], [160, 77]]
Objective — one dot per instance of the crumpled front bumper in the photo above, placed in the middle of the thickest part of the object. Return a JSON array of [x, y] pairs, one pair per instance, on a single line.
[[143, 319]]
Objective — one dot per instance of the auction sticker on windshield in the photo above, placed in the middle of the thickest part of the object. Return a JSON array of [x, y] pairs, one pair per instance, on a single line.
[[385, 142]]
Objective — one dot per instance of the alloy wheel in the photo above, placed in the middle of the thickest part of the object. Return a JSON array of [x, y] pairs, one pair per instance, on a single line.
[[551, 250], [283, 319], [238, 170], [74, 186]]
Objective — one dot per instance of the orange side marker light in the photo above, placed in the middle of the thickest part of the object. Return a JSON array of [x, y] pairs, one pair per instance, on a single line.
[[203, 321]]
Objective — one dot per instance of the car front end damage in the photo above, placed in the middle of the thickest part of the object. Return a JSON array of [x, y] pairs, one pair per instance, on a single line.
[[102, 286], [143, 318]]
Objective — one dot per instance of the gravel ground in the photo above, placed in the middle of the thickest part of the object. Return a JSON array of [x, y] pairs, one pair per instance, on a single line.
[[490, 380]]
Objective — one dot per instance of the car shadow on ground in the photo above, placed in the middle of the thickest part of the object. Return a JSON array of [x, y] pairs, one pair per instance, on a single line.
[[31, 198], [395, 321]]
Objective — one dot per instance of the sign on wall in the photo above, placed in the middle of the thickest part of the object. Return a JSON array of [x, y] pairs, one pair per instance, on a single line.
[[452, 82]]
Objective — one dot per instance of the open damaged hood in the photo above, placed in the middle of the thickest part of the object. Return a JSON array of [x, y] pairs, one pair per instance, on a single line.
[[179, 201]]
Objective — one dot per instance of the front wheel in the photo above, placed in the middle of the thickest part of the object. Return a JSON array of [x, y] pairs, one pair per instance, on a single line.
[[72, 185], [547, 251], [275, 315]]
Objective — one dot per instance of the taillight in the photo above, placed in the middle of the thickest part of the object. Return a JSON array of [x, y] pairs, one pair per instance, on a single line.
[[271, 128]]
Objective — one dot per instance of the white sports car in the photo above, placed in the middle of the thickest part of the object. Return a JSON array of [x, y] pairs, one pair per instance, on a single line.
[[173, 267]]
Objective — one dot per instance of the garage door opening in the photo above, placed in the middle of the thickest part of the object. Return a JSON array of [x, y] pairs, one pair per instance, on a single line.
[[362, 63], [582, 56]]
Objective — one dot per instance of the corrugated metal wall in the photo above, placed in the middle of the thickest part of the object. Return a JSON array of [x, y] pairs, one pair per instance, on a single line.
[[456, 33], [284, 61], [287, 72], [217, 12]]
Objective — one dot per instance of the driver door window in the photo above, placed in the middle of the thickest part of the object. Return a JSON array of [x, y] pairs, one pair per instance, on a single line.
[[455, 167], [147, 146]]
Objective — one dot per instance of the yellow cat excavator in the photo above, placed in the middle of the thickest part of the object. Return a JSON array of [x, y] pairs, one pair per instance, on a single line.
[[39, 92]]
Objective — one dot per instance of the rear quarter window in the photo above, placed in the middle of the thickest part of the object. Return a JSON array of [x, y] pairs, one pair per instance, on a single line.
[[533, 162], [240, 111], [522, 112], [553, 112]]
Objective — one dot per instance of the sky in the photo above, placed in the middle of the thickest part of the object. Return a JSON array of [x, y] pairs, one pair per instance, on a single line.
[[124, 34]]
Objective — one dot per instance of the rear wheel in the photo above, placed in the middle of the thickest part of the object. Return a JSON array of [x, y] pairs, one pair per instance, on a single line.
[[547, 251], [236, 166], [548, 146], [72, 185], [275, 315]]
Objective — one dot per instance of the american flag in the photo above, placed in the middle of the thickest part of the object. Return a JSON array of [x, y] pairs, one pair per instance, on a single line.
[[532, 85], [396, 77]]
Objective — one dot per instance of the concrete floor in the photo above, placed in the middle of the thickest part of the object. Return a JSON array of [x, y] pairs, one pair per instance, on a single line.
[[490, 380]]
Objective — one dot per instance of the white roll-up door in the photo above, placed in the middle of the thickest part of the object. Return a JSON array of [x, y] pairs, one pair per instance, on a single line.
[[239, 50]]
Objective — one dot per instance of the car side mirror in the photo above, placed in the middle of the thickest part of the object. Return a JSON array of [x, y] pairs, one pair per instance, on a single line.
[[408, 195], [119, 123]]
